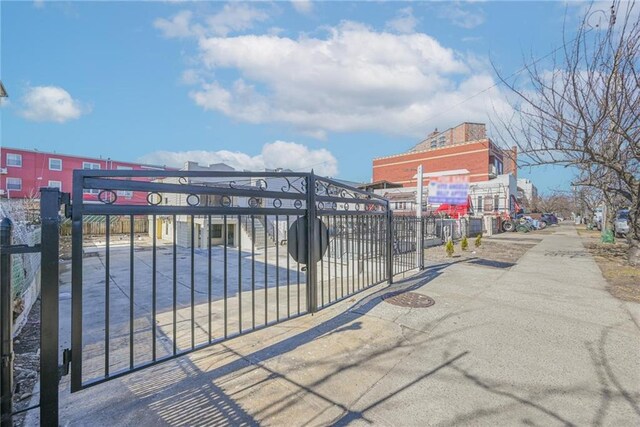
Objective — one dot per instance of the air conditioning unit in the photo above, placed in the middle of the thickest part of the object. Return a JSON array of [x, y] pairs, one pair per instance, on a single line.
[[3, 171], [1, 192]]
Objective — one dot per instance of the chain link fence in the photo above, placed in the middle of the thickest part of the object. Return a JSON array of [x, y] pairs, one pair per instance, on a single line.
[[25, 268]]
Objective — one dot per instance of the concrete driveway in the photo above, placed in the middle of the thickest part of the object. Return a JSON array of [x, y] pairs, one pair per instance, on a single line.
[[538, 343]]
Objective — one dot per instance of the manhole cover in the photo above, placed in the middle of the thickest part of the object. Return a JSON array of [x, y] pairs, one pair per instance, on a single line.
[[409, 299]]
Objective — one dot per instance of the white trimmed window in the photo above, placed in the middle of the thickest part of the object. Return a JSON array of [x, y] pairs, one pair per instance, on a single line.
[[90, 165], [55, 164], [14, 160], [56, 184], [124, 193], [14, 184]]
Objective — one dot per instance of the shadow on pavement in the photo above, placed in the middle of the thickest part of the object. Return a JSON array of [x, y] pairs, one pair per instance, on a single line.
[[190, 396]]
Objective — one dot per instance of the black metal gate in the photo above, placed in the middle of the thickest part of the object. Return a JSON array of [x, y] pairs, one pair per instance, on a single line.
[[224, 254], [140, 300]]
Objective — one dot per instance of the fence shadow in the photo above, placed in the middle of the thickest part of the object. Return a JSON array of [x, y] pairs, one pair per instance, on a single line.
[[192, 395]]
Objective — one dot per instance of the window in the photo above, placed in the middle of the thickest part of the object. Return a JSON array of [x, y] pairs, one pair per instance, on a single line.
[[90, 165], [124, 193], [14, 184], [56, 184], [14, 160], [496, 203], [216, 231], [488, 204], [55, 164], [479, 207]]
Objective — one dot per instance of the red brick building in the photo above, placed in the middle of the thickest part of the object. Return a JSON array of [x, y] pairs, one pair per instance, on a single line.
[[462, 148], [24, 172]]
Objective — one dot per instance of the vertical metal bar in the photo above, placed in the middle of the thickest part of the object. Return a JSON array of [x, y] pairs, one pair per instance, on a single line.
[[266, 271], [253, 272], [107, 280], [288, 274], [175, 286], [154, 292], [209, 279], [131, 290], [76, 283], [6, 327], [319, 237], [352, 247], [359, 220], [226, 277], [376, 245], [348, 249], [390, 237], [335, 259], [298, 272], [342, 228], [277, 271], [239, 274], [370, 267], [50, 200], [312, 285], [329, 258], [193, 282]]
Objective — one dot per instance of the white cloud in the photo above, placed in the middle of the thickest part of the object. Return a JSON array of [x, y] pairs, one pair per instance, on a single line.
[[466, 17], [278, 154], [352, 79], [404, 22], [302, 6], [178, 26], [233, 17], [51, 104]]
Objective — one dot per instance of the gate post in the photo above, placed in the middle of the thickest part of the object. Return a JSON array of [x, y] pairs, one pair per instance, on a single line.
[[50, 201], [6, 325], [390, 237], [312, 284]]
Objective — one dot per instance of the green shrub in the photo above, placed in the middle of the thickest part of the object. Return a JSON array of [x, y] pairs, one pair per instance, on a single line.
[[464, 244], [478, 241], [449, 247]]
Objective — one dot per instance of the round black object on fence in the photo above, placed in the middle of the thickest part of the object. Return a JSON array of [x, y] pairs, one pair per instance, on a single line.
[[297, 240]]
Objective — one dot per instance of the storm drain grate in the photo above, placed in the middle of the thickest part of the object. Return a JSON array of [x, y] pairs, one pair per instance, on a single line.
[[409, 299]]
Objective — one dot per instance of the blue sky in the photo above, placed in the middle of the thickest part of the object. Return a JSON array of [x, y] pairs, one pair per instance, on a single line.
[[326, 85]]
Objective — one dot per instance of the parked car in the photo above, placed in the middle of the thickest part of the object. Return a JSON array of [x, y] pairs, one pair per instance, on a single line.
[[621, 224], [549, 218], [597, 218]]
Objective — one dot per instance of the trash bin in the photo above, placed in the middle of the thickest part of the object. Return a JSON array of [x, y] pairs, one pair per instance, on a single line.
[[607, 236]]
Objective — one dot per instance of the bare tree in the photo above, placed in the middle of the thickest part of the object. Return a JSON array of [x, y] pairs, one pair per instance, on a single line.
[[584, 111], [561, 203]]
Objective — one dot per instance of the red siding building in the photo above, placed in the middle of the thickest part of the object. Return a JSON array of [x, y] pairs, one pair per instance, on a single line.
[[24, 172], [464, 147]]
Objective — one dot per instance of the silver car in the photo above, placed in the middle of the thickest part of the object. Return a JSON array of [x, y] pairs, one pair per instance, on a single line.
[[621, 224]]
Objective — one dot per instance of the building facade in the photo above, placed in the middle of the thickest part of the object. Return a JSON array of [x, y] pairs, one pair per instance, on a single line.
[[24, 172], [464, 147], [527, 191]]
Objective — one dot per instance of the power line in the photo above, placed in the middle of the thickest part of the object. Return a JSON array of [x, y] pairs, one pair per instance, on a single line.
[[515, 73]]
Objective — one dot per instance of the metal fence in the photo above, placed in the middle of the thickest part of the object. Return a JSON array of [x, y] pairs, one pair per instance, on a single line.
[[443, 229], [215, 265], [224, 254]]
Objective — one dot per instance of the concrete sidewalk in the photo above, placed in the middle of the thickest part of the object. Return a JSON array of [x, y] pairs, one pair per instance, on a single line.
[[540, 343]]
